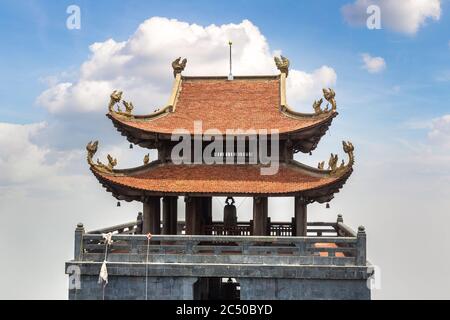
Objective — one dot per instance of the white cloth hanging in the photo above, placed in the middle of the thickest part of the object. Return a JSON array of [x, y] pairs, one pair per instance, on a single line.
[[103, 276]]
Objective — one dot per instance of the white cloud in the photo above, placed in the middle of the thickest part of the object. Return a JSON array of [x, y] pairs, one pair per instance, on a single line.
[[440, 131], [20, 159], [303, 87], [373, 64], [141, 65], [406, 16]]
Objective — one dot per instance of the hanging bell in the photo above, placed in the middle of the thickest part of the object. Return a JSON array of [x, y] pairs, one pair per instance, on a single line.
[[310, 153], [131, 146], [229, 216], [118, 203], [328, 206]]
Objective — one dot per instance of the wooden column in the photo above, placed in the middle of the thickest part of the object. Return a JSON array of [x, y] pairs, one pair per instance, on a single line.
[[301, 217], [191, 215], [152, 216], [206, 213], [260, 214], [198, 214], [170, 211]]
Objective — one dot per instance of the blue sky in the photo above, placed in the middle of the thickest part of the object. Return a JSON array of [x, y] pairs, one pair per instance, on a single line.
[[398, 117], [36, 44]]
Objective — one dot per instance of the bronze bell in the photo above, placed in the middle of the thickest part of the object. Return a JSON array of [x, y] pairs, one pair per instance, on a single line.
[[229, 216], [328, 206], [131, 146], [118, 203]]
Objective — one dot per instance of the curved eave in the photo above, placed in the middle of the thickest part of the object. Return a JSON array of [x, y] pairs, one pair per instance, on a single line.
[[122, 189], [304, 138]]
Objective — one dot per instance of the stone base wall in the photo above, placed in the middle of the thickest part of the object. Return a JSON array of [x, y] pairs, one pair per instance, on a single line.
[[133, 288], [303, 289], [182, 288]]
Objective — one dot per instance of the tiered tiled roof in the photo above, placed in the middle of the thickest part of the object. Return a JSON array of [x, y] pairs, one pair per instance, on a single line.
[[244, 103]]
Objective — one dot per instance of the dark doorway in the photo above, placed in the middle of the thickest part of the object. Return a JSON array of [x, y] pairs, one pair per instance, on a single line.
[[216, 289]]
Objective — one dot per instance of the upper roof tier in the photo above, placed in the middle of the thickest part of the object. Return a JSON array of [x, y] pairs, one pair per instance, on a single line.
[[245, 103]]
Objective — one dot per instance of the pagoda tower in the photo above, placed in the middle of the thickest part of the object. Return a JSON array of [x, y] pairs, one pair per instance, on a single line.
[[222, 137]]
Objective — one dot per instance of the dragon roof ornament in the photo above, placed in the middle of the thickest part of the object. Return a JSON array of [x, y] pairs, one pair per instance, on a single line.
[[178, 66], [115, 99], [329, 95], [282, 64], [91, 150], [333, 167]]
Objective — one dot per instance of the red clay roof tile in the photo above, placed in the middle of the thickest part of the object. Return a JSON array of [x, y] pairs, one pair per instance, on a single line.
[[220, 179], [244, 103]]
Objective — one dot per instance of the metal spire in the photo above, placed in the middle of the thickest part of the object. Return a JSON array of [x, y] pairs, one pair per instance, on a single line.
[[230, 76]]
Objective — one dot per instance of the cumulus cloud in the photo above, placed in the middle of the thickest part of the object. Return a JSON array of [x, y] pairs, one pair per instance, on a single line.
[[21, 160], [303, 87], [373, 64], [440, 131], [406, 16], [141, 65]]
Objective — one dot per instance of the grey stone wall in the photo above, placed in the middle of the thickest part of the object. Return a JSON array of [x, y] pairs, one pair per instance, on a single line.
[[258, 281], [182, 288], [301, 289], [133, 288]]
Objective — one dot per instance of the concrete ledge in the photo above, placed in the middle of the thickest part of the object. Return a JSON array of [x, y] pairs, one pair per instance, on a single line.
[[226, 270], [223, 259]]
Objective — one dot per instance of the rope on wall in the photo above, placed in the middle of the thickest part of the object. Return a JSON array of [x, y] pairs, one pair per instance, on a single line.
[[149, 236], [103, 276]]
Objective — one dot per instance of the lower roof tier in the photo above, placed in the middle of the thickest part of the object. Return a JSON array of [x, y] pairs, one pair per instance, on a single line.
[[291, 179]]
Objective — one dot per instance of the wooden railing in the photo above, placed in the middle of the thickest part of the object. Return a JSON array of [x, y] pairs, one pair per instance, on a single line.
[[92, 247], [217, 228], [347, 246], [125, 228]]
